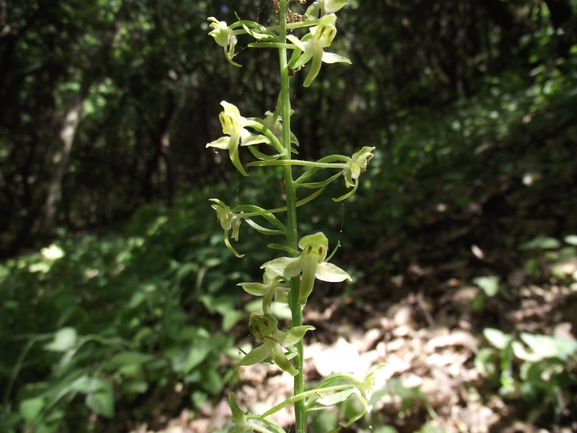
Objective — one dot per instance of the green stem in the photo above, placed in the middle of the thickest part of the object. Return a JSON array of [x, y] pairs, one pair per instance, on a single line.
[[16, 370], [337, 165], [262, 212], [292, 231]]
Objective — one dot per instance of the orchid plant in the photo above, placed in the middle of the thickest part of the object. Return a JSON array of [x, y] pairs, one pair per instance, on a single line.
[[288, 279]]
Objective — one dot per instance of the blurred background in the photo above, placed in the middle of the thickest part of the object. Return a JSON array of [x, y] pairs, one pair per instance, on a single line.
[[119, 308]]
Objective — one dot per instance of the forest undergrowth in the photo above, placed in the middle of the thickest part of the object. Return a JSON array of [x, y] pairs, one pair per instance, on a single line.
[[470, 298], [472, 308]]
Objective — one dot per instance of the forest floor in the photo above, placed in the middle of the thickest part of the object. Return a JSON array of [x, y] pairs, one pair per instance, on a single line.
[[426, 323]]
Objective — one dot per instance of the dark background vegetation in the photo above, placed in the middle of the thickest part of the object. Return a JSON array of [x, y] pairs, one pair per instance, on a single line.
[[105, 111]]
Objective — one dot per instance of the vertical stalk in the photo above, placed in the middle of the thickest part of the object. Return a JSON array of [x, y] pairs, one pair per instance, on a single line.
[[292, 230]]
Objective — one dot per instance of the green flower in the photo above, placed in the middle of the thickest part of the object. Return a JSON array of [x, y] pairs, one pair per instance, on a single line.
[[364, 392], [264, 328], [233, 124], [272, 286], [357, 165], [228, 220], [225, 37], [354, 166], [323, 7], [312, 47], [310, 264], [272, 122]]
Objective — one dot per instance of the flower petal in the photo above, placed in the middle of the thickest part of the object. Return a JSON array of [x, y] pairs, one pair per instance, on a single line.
[[278, 266], [255, 289], [295, 335], [256, 355], [335, 58], [249, 139], [314, 240], [221, 143], [294, 268], [280, 358], [331, 273], [296, 41]]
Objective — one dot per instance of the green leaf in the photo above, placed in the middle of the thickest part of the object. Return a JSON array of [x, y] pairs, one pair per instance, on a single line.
[[531, 267], [231, 318], [196, 355], [571, 239], [101, 402], [64, 339], [324, 421], [386, 429], [255, 356], [430, 428], [531, 372], [199, 398], [87, 385], [543, 346], [489, 284], [30, 408], [211, 380], [336, 397], [497, 338], [135, 386], [540, 242], [186, 269], [136, 299], [126, 358], [486, 363]]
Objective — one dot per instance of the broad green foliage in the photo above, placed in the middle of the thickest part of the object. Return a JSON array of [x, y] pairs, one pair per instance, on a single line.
[[536, 368], [560, 257], [88, 323]]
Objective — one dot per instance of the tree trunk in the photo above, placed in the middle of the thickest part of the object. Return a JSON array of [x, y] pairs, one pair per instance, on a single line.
[[71, 120], [60, 159]]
